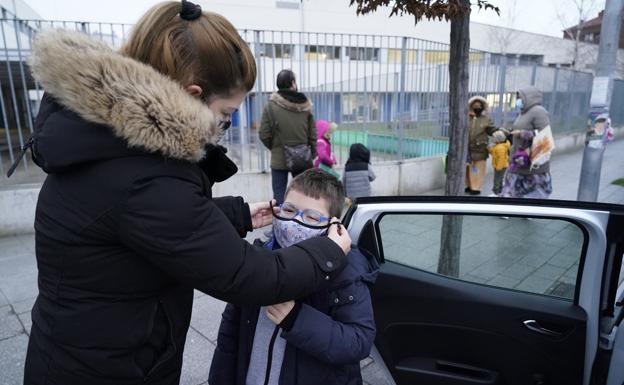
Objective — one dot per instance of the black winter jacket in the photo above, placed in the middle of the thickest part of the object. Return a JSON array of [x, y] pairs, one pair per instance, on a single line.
[[126, 225]]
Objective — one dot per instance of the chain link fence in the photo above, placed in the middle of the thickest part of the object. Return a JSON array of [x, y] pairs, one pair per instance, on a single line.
[[388, 92]]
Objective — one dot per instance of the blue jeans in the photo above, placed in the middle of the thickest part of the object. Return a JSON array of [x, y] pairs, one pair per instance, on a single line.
[[279, 181]]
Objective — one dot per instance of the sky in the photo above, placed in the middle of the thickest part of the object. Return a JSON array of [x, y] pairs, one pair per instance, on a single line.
[[539, 16]]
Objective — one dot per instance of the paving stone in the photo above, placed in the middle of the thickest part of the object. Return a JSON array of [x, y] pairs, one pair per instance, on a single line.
[[207, 316], [10, 325], [374, 375], [26, 320], [504, 282], [20, 287], [3, 299], [550, 272], [518, 271], [198, 352], [23, 306], [535, 284], [485, 272], [12, 358]]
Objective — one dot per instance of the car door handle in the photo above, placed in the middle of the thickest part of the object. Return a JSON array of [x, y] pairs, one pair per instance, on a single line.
[[535, 326]]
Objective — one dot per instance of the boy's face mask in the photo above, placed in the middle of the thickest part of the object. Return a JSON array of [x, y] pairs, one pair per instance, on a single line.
[[289, 232]]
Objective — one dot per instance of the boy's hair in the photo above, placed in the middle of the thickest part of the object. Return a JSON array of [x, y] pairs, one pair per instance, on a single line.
[[319, 184]]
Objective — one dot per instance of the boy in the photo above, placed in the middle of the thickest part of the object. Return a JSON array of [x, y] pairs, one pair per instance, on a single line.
[[319, 339], [500, 159]]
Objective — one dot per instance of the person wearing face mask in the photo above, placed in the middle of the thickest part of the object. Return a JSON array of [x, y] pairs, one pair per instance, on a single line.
[[481, 127], [525, 180], [288, 130], [126, 224], [319, 339]]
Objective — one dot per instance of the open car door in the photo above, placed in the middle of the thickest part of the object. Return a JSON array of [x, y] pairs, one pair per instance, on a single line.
[[521, 302]]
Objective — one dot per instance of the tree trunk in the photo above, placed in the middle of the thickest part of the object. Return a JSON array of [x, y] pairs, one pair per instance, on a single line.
[[458, 140]]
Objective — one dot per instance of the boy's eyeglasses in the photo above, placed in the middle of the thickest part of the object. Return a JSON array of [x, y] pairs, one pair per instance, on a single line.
[[309, 217]]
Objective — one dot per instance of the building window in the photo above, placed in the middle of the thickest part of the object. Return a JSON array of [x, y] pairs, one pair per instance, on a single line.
[[360, 108], [363, 53], [322, 52], [278, 51], [394, 55]]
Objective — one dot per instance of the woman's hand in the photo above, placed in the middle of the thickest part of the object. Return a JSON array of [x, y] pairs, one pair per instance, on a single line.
[[261, 215], [278, 312], [339, 234]]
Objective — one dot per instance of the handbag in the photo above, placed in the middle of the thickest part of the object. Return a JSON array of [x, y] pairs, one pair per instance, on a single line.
[[298, 158]]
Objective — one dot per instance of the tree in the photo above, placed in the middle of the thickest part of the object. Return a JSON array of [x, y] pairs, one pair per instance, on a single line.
[[458, 13], [503, 37], [583, 10]]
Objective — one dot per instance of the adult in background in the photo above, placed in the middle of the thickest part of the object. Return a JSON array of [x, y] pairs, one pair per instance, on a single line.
[[288, 130], [481, 127], [126, 225], [522, 180]]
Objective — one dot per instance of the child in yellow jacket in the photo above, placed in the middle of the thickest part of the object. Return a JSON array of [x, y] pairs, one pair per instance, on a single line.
[[500, 159]]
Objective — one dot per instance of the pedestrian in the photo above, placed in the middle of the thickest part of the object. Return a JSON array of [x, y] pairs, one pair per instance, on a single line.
[[126, 226], [288, 130], [319, 339], [358, 173], [481, 127], [324, 131], [524, 180], [500, 159]]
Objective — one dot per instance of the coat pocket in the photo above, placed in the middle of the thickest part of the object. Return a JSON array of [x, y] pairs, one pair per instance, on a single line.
[[159, 346]]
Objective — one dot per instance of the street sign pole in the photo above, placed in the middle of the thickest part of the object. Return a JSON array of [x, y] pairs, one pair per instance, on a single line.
[[598, 122]]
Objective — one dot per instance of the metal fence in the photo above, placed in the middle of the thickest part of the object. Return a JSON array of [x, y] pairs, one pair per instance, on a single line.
[[388, 92]]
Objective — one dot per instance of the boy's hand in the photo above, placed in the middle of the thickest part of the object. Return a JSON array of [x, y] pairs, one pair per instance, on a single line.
[[261, 215], [278, 312], [339, 234]]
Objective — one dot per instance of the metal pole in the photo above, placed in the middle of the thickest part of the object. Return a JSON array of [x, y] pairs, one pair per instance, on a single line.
[[402, 97], [602, 89]]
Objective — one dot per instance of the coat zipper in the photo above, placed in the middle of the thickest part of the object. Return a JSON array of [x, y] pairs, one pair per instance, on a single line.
[[270, 356], [25, 147]]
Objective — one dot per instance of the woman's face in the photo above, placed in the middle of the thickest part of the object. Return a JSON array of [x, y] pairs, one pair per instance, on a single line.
[[224, 106]]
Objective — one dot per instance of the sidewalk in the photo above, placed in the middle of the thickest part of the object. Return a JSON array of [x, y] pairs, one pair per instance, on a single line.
[[18, 282]]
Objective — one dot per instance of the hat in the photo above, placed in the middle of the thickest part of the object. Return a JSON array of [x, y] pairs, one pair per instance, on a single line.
[[499, 136]]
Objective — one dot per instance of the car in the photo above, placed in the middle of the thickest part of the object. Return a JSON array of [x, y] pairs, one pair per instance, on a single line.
[[533, 295]]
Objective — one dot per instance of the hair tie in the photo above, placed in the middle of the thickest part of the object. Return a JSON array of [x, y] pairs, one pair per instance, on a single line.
[[190, 11]]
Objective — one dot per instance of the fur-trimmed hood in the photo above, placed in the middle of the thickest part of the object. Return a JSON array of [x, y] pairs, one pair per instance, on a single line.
[[481, 99], [144, 108], [291, 106]]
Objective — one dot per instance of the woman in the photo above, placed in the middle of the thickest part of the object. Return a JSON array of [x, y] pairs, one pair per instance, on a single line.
[[126, 225], [522, 180], [287, 121], [481, 127]]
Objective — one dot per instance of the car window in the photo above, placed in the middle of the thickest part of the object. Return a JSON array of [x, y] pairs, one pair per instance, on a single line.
[[533, 255]]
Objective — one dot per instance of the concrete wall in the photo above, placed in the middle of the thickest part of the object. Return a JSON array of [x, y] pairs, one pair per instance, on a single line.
[[410, 177]]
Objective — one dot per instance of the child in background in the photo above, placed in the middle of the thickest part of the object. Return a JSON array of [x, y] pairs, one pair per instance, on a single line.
[[500, 159], [358, 173], [320, 339], [324, 131]]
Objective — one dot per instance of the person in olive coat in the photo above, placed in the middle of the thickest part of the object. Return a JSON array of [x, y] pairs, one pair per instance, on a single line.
[[481, 127], [126, 224], [287, 120]]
